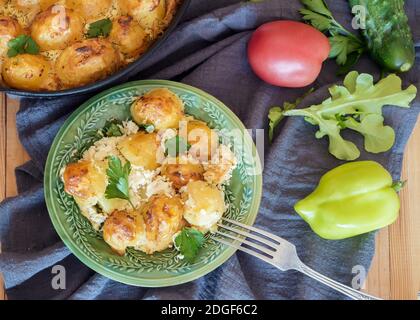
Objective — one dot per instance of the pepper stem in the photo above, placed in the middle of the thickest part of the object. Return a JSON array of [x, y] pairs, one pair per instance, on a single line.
[[398, 185]]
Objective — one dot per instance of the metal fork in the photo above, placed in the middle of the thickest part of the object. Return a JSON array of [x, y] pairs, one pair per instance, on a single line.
[[276, 251]]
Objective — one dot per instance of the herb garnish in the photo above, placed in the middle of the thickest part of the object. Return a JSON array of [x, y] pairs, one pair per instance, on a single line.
[[118, 187], [346, 47], [22, 44], [100, 28], [112, 128], [188, 242], [176, 146]]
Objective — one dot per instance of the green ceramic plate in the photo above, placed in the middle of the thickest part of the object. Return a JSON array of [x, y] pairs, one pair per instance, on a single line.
[[135, 268]]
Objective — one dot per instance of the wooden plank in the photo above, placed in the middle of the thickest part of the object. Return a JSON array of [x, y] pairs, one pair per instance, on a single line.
[[15, 154], [3, 140], [378, 282], [2, 291], [404, 235]]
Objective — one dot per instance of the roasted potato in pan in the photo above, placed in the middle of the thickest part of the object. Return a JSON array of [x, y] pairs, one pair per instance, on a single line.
[[56, 28], [29, 72], [59, 28], [9, 29], [129, 37], [86, 61], [149, 13], [90, 9]]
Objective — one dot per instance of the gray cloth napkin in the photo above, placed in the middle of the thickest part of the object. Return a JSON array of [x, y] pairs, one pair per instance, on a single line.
[[208, 50]]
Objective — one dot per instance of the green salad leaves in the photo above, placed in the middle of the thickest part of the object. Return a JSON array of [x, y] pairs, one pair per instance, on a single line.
[[117, 187], [357, 105], [188, 242], [346, 47], [276, 114]]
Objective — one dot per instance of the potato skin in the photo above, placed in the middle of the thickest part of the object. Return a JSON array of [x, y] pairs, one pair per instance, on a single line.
[[9, 29], [204, 206], [29, 72], [83, 180], [181, 172], [160, 107], [141, 149], [122, 229], [56, 28], [149, 13], [162, 216], [27, 9], [86, 61], [128, 36], [91, 10], [203, 140]]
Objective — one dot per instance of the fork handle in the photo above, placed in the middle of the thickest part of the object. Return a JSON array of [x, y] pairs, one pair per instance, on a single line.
[[349, 292]]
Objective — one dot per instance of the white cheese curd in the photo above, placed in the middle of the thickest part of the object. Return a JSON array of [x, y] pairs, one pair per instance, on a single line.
[[160, 186], [129, 127], [139, 177], [102, 149], [222, 164]]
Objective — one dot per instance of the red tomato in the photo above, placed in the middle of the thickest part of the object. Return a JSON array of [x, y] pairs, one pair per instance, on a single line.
[[288, 53]]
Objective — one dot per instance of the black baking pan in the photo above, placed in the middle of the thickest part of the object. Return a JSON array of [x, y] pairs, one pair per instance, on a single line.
[[116, 78]]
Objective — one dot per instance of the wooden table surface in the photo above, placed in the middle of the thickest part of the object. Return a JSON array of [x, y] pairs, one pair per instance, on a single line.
[[395, 272]]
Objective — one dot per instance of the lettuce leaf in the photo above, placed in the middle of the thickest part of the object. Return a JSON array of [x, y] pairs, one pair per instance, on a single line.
[[357, 105]]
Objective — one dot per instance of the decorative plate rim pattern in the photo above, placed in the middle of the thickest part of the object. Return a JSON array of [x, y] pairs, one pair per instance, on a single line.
[[50, 178]]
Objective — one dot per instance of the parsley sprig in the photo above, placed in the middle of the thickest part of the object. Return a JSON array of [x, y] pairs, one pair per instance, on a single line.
[[100, 28], [118, 187], [176, 146], [346, 47], [188, 242], [22, 44]]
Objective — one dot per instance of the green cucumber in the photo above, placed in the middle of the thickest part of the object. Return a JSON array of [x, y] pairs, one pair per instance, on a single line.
[[388, 34]]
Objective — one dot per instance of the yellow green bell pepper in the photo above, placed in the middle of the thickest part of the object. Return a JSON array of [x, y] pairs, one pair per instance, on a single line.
[[352, 199]]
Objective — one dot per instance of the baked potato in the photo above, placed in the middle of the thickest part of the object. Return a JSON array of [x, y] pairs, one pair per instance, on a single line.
[[45, 4], [181, 171], [86, 61], [222, 164], [56, 28], [9, 29], [160, 107], [141, 149], [203, 140], [29, 72], [25, 10], [149, 13], [204, 205], [84, 180], [91, 10], [162, 217], [122, 229], [128, 36]]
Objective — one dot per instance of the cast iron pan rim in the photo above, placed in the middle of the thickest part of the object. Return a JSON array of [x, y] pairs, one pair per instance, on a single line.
[[111, 80]]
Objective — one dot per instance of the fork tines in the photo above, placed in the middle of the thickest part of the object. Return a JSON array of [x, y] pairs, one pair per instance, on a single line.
[[261, 244]]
